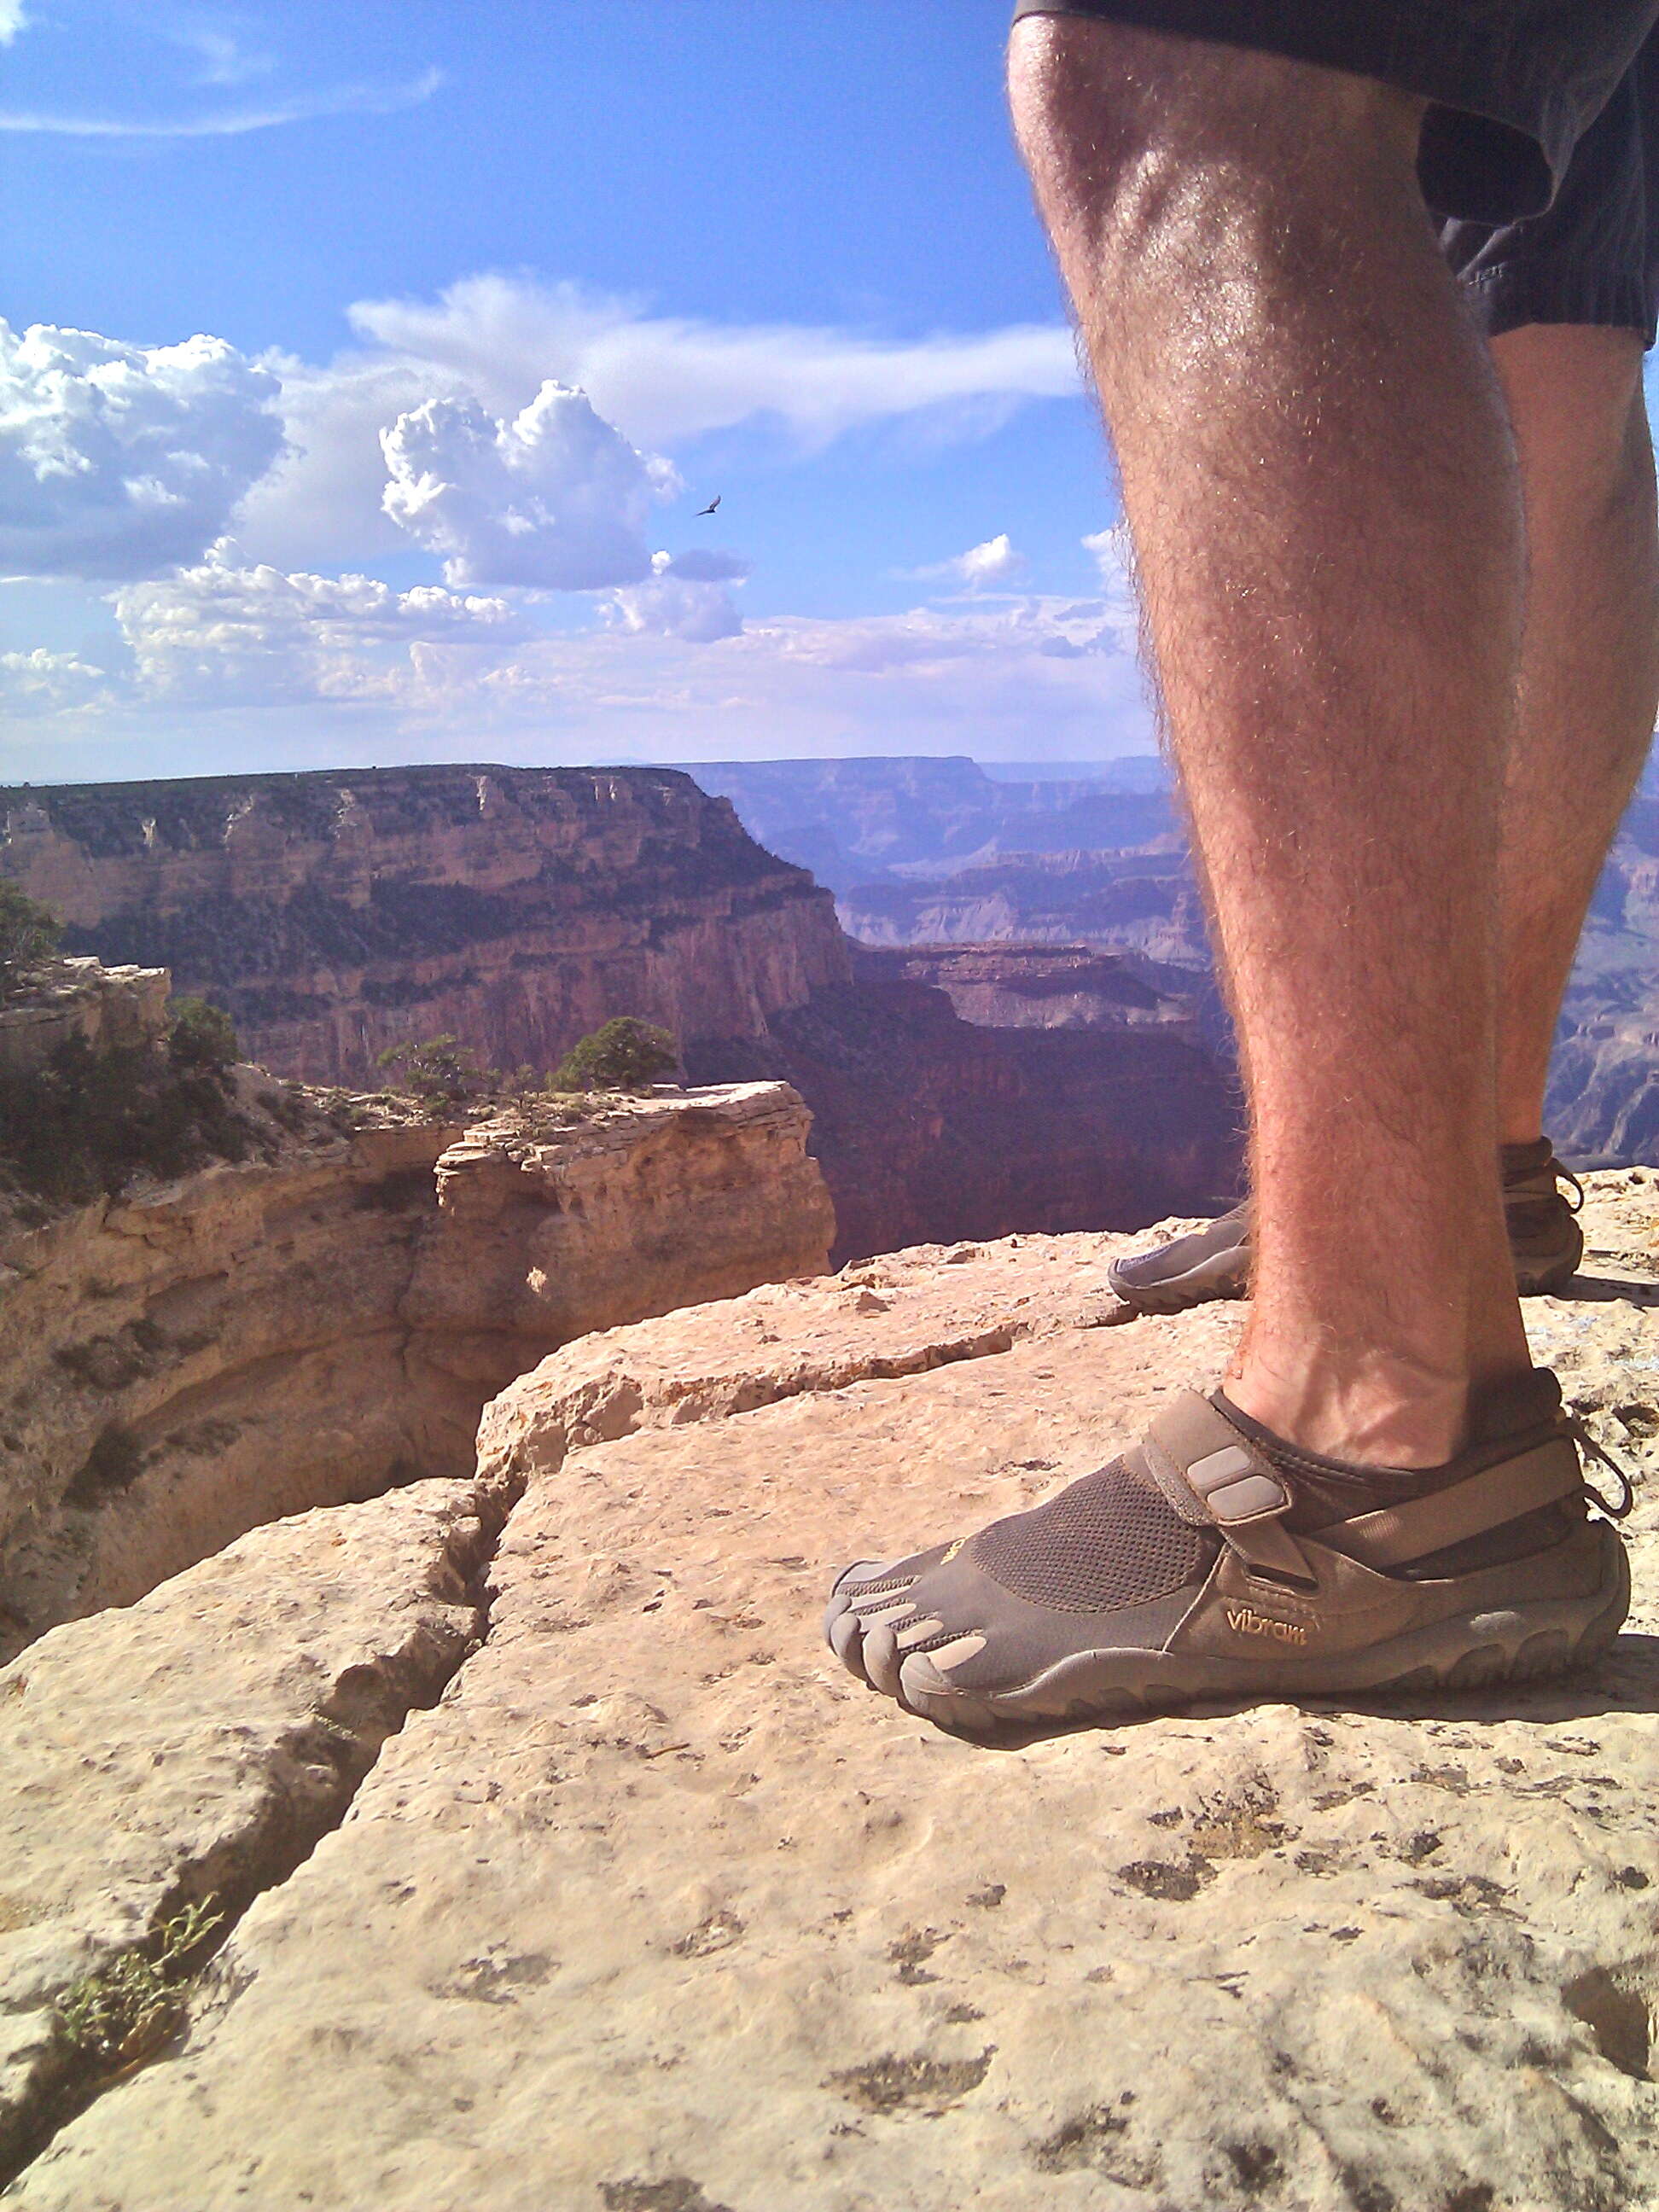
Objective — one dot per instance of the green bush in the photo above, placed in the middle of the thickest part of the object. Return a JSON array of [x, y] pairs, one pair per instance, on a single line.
[[203, 1036], [626, 1054], [88, 1122], [28, 931], [439, 1073]]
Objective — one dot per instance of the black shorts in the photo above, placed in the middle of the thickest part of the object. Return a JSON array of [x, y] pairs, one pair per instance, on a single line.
[[1541, 142]]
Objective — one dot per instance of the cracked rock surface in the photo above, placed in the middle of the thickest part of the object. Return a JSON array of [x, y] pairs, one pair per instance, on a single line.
[[194, 1746], [658, 1908]]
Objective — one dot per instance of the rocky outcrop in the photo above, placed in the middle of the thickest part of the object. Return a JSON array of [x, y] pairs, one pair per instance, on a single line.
[[192, 1358], [335, 913], [658, 1909], [105, 1008], [931, 1129], [543, 1234]]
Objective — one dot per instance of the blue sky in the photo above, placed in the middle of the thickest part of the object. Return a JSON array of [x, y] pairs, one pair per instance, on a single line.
[[491, 299]]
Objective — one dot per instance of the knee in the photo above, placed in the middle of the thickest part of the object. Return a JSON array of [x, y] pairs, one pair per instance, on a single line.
[[1134, 137]]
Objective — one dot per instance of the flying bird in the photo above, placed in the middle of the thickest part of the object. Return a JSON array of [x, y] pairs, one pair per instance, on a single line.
[[710, 509]]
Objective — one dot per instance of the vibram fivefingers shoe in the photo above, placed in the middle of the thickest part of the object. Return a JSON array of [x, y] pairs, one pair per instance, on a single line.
[[1214, 1261], [1214, 1561]]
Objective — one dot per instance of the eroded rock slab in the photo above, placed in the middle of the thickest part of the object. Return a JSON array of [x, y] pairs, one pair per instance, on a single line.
[[640, 1205], [193, 1747], [658, 1907], [899, 1315]]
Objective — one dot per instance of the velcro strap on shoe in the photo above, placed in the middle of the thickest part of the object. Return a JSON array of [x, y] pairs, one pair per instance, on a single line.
[[1396, 1535], [1212, 1473]]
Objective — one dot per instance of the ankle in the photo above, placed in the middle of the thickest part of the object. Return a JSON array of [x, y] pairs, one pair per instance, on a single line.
[[1372, 1411]]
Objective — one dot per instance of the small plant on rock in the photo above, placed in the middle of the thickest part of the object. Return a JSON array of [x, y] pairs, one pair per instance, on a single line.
[[626, 1054], [120, 2014]]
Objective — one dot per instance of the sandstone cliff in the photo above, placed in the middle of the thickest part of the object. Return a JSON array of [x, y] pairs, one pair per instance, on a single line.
[[338, 912], [655, 1911], [516, 908], [105, 1008], [192, 1358]]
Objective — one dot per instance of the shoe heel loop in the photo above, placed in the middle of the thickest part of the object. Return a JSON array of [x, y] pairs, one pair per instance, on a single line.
[[1626, 1490]]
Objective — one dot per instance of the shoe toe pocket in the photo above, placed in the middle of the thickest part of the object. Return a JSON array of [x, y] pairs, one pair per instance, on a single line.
[[845, 1632], [881, 1657]]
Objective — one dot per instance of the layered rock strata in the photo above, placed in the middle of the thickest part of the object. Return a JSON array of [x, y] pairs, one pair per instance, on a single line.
[[1041, 987], [193, 1358], [658, 1908], [335, 913]]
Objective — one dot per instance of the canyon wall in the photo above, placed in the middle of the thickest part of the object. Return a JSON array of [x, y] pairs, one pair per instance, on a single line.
[[194, 1358], [854, 822], [335, 913], [931, 1128], [517, 909]]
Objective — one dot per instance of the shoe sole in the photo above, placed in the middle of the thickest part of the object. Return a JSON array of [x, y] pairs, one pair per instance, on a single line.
[[1467, 1651]]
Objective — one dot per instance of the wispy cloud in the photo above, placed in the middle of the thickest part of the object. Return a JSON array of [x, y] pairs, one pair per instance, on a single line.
[[223, 60], [665, 378], [12, 20], [344, 100]]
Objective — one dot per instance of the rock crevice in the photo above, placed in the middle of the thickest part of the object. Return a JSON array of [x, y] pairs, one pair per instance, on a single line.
[[227, 1784]]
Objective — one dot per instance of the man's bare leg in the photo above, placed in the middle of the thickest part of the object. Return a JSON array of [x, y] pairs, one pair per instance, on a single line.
[[1590, 669], [1319, 474]]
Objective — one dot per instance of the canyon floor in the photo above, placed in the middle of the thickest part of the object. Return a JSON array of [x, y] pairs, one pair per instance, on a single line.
[[560, 1868]]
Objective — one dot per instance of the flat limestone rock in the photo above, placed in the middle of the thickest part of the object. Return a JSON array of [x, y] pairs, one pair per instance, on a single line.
[[900, 1315], [659, 1910], [192, 1747]]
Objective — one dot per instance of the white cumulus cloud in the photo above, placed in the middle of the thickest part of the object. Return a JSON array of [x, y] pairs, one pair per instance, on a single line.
[[1114, 554], [684, 596], [41, 682], [12, 20], [120, 461], [555, 498], [982, 568], [224, 631]]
